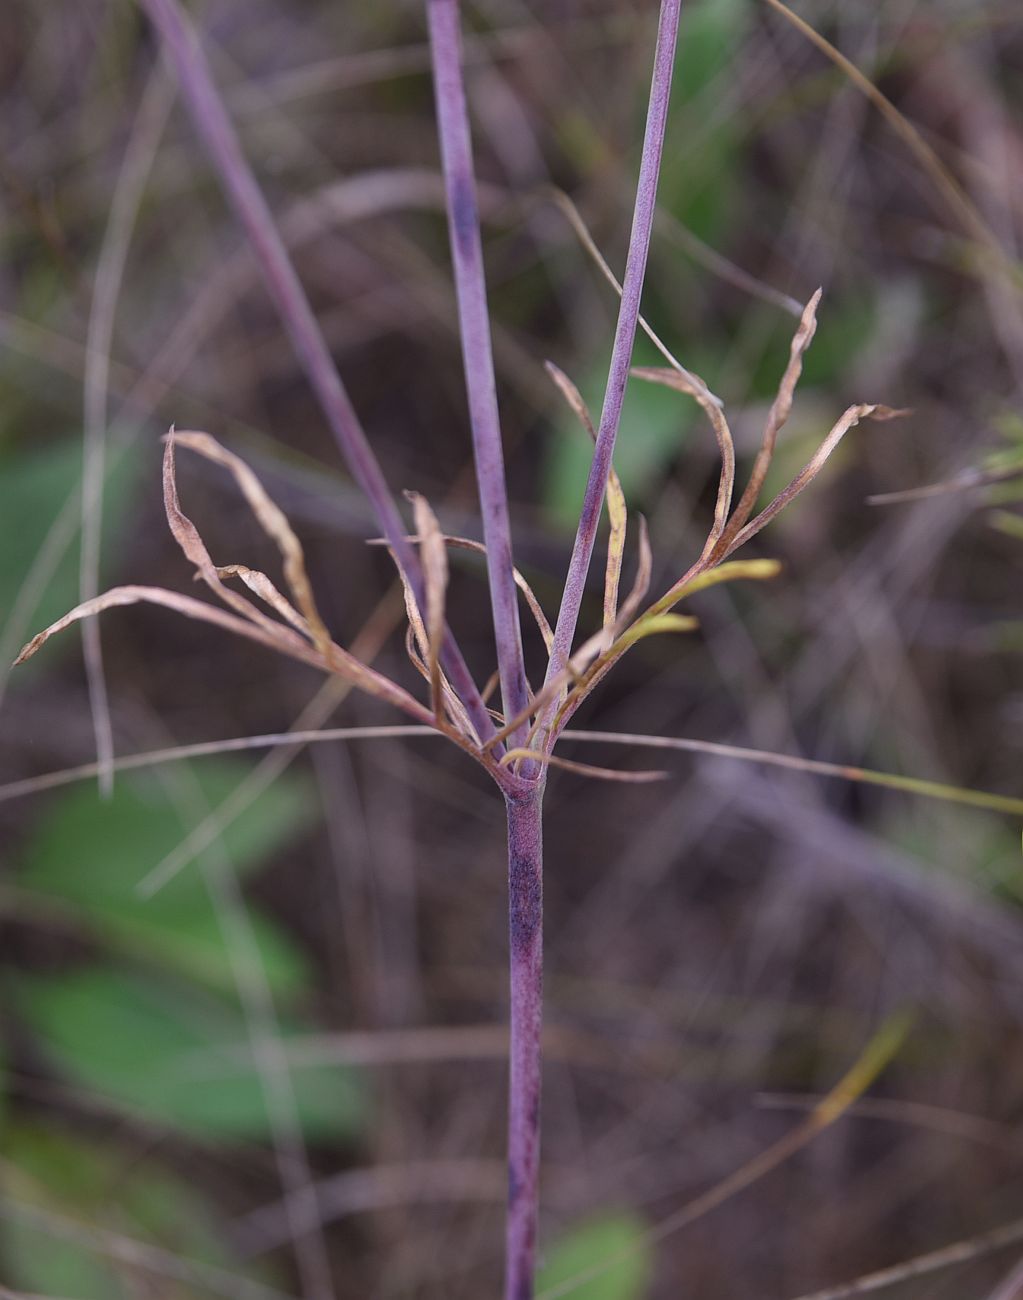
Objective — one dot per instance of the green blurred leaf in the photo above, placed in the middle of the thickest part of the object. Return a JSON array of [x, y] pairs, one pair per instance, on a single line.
[[588, 1246], [34, 489], [654, 427], [170, 1054], [65, 1176], [88, 855], [700, 173], [710, 34]]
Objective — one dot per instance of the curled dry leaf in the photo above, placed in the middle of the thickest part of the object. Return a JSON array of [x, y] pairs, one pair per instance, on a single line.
[[188, 538], [260, 585], [468, 544], [245, 619], [617, 512], [455, 719], [433, 556], [781, 409], [682, 383], [187, 605], [849, 419], [271, 519]]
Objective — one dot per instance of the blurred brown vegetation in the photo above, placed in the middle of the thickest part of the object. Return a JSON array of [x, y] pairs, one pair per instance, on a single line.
[[721, 946]]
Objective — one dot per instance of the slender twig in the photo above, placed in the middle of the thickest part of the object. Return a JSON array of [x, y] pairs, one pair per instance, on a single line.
[[960, 1252], [621, 355], [477, 351], [218, 135]]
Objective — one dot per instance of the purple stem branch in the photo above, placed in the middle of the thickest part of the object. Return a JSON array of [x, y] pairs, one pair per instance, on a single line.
[[525, 934], [477, 352], [221, 141], [621, 355]]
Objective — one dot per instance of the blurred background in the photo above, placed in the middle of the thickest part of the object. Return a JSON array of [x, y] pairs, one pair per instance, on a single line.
[[290, 1057]]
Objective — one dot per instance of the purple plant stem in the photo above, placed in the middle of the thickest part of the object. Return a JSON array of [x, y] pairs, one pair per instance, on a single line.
[[525, 938], [621, 354], [221, 141], [477, 352]]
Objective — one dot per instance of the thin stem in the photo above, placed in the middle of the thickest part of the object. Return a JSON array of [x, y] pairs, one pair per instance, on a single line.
[[525, 934], [218, 135], [477, 351], [621, 355], [139, 155]]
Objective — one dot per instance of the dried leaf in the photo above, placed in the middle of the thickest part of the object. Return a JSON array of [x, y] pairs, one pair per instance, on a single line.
[[274, 523], [617, 512], [187, 537], [417, 647], [187, 605], [260, 585], [275, 637], [467, 544], [780, 410], [849, 419], [434, 559], [493, 681], [682, 383]]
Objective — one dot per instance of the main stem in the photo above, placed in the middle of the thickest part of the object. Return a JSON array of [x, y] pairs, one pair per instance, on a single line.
[[525, 935]]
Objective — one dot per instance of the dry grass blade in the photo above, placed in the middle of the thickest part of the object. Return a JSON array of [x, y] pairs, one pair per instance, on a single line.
[[575, 220], [717, 264], [722, 433], [849, 419], [780, 410], [617, 511], [959, 1252], [874, 1058], [583, 769], [433, 556], [970, 219], [280, 639], [964, 482], [274, 523], [175, 1271]]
